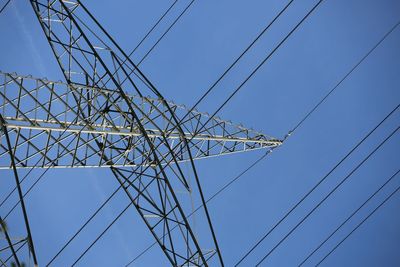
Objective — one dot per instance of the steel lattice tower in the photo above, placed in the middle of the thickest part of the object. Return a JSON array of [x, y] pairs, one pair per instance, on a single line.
[[108, 114]]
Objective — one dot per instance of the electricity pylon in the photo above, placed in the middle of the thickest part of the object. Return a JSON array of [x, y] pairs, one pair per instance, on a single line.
[[108, 114]]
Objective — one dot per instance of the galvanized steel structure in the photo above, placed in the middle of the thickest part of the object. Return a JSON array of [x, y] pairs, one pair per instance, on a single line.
[[108, 114]]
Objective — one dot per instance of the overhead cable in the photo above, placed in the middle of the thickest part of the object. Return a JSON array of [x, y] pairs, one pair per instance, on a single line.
[[358, 225], [376, 45], [349, 217], [327, 196]]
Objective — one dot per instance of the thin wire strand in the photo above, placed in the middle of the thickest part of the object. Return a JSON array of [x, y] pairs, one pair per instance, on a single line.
[[234, 62], [27, 192], [238, 58], [220, 78], [152, 28], [166, 32], [155, 44], [308, 115], [302, 121], [266, 59], [164, 35], [191, 214], [102, 233], [318, 104], [223, 188], [42, 175], [15, 188], [349, 217], [327, 196], [4, 7], [347, 75], [358, 226], [316, 185], [84, 225]]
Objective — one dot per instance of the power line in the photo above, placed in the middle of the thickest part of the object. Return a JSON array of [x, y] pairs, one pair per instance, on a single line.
[[347, 74], [40, 177], [102, 233], [316, 185], [302, 121], [223, 104], [264, 60], [234, 62], [19, 190], [358, 226], [349, 217], [29, 172], [308, 115], [15, 188], [132, 71], [220, 78], [152, 147], [165, 33], [10, 244], [194, 211], [191, 214], [84, 225], [246, 81], [155, 44], [5, 5], [253, 72], [27, 192], [151, 86], [152, 28], [251, 166], [328, 195], [240, 56], [16, 251]]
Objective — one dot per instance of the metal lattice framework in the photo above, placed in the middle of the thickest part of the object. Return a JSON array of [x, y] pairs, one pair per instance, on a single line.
[[108, 114], [63, 138]]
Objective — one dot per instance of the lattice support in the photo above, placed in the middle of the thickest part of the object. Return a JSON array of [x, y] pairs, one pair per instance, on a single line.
[[109, 114]]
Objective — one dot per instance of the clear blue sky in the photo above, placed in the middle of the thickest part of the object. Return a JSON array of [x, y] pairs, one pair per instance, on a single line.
[[183, 66]]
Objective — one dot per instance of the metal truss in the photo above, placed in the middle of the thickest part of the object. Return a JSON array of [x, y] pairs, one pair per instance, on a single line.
[[51, 132], [3, 226], [9, 244], [108, 114]]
